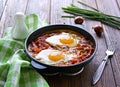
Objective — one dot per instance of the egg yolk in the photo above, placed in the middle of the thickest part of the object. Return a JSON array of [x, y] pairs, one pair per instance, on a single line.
[[66, 40], [55, 56]]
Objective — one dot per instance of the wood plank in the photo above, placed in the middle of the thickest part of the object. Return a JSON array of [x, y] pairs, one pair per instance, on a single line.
[[76, 81], [114, 35], [11, 7], [50, 11], [55, 18], [4, 2], [56, 11], [42, 8], [80, 81], [102, 47], [2, 5], [118, 2], [1, 8], [92, 66]]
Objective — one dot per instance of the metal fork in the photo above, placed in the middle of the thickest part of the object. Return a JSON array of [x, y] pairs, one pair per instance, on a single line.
[[109, 52]]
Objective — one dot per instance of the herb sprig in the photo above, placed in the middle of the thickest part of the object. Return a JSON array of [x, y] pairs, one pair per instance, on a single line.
[[110, 20]]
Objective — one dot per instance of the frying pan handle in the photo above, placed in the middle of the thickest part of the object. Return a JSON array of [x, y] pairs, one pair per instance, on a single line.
[[36, 65]]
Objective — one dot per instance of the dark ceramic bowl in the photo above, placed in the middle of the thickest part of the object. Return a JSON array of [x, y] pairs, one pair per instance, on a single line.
[[49, 69]]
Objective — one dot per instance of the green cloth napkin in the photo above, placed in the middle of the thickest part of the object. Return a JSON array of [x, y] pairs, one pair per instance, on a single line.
[[15, 68]]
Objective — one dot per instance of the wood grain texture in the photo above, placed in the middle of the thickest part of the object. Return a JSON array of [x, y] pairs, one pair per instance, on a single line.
[[113, 35], [91, 68], [2, 7], [2, 4], [118, 2], [51, 11], [56, 11], [1, 10], [11, 7], [42, 8], [55, 18]]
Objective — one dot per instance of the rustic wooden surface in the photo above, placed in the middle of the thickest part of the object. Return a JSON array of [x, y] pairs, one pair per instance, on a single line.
[[50, 11]]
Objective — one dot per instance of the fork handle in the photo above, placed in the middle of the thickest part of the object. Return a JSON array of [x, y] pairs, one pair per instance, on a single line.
[[99, 71]]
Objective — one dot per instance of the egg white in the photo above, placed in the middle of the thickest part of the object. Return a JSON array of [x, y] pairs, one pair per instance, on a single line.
[[55, 40], [43, 56]]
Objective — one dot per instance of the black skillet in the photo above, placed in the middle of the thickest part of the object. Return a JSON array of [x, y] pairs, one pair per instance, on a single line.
[[53, 70]]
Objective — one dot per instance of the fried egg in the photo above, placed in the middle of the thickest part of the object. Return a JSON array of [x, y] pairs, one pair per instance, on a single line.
[[51, 56], [63, 39]]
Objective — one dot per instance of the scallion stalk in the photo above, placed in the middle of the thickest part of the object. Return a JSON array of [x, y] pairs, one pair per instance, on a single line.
[[110, 20]]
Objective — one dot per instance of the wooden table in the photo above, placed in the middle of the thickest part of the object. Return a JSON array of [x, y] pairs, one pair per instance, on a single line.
[[50, 11]]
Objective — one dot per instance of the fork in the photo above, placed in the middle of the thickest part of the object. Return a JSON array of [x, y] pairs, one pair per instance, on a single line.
[[109, 52]]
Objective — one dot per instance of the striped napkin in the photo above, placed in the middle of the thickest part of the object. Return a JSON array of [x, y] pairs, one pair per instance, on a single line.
[[15, 68]]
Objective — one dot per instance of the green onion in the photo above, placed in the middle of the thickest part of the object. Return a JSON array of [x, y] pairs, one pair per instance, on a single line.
[[88, 6], [110, 20]]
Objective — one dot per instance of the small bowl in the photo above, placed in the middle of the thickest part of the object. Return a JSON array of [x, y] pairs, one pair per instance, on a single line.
[[46, 69]]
